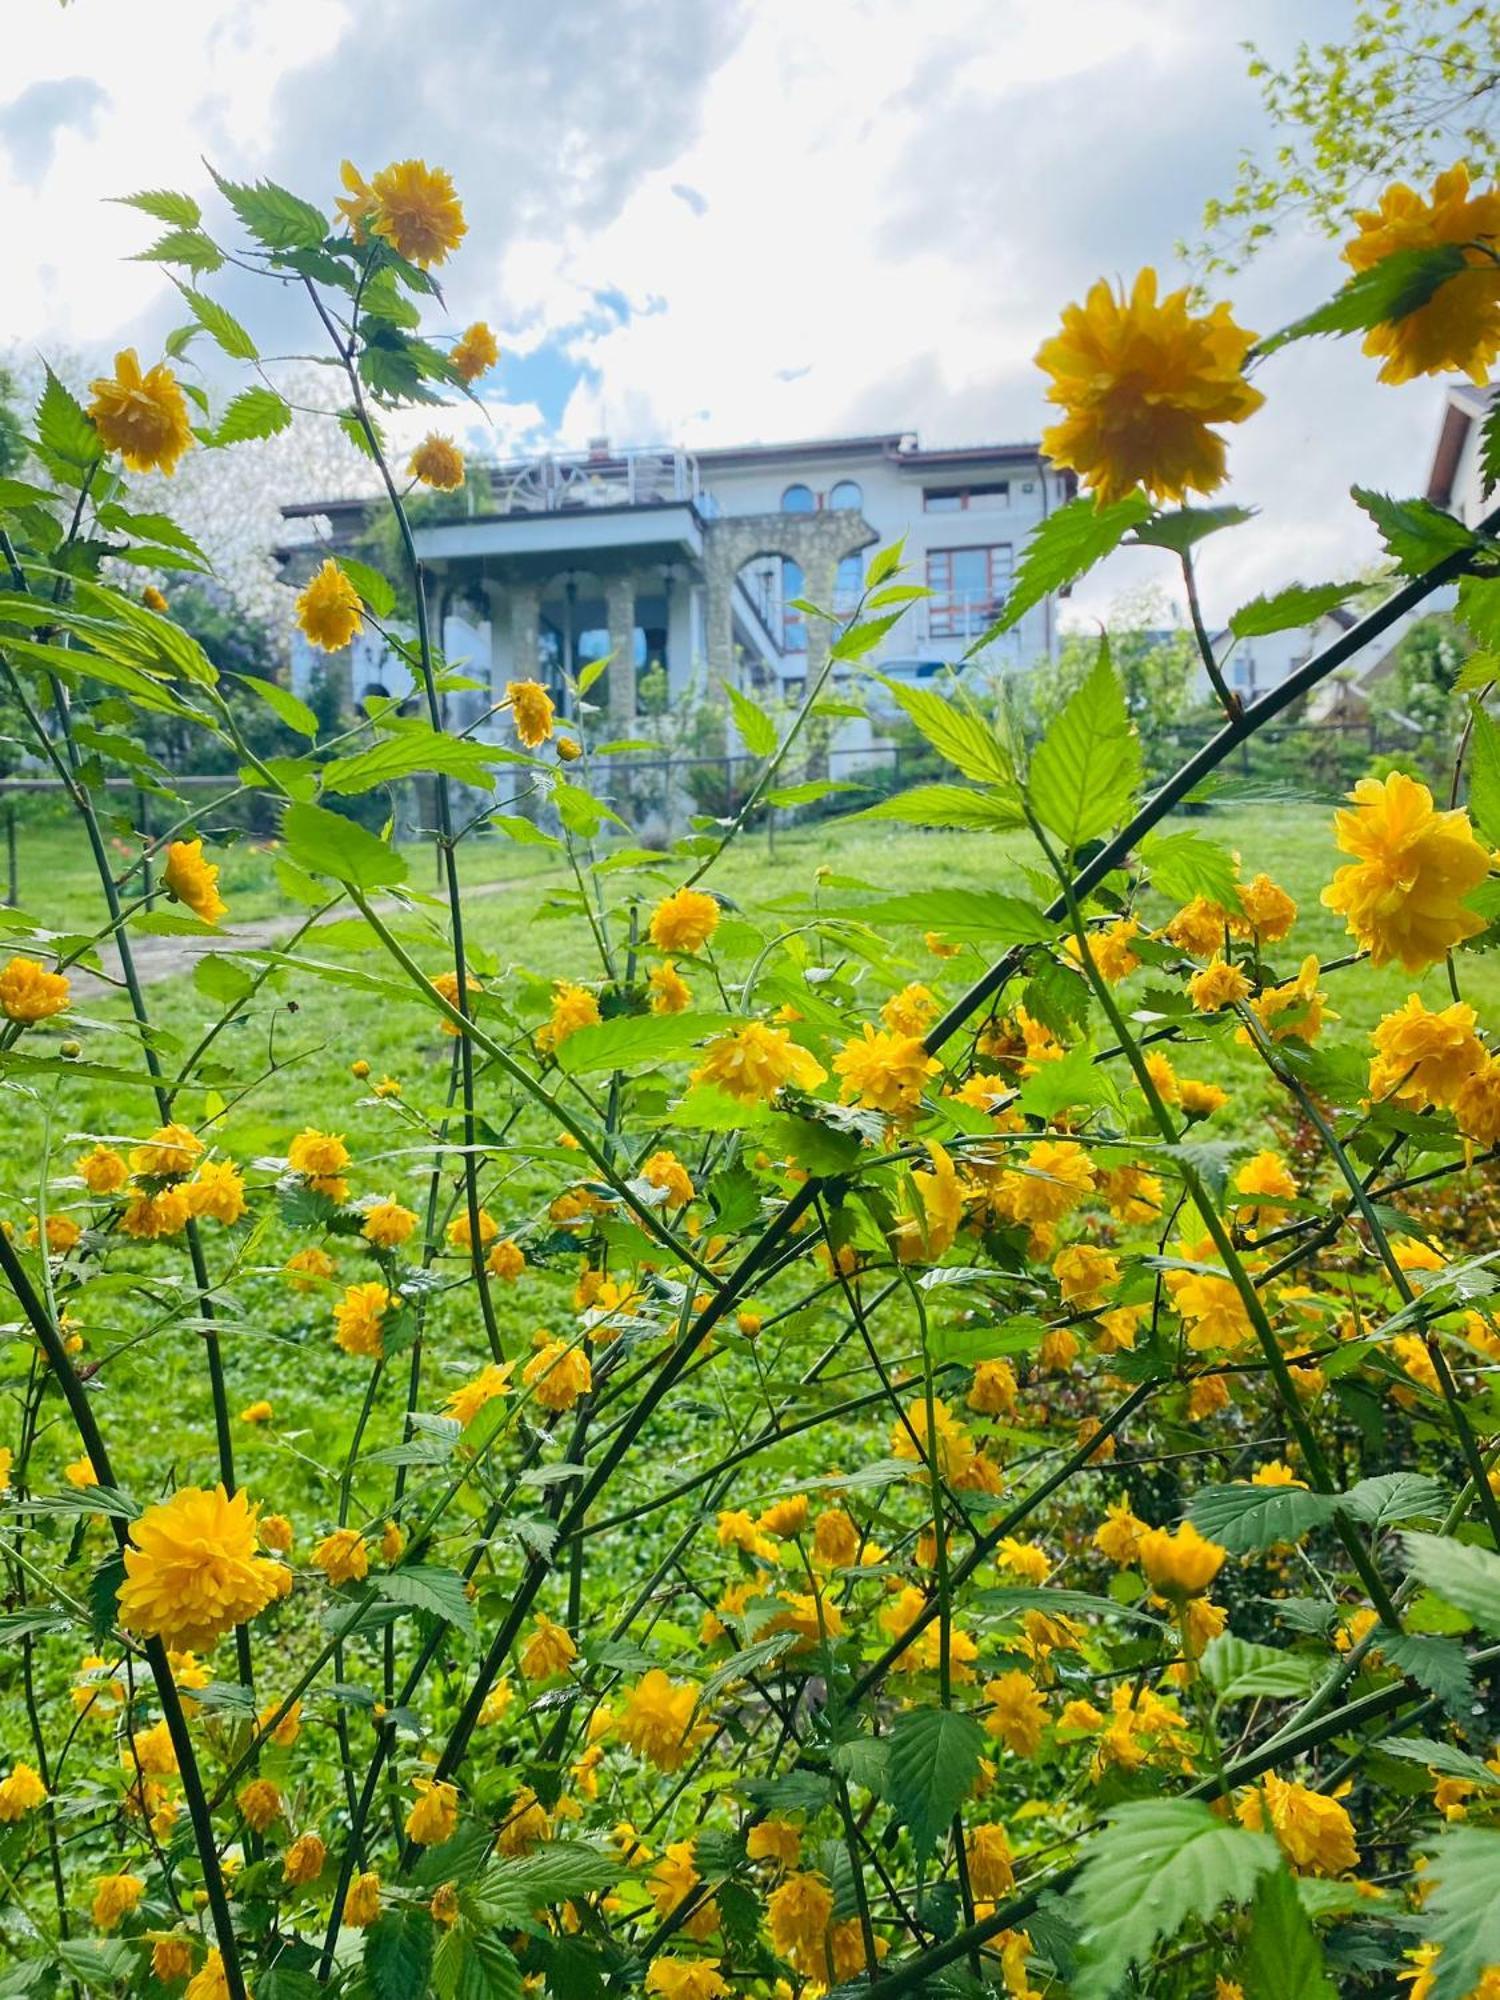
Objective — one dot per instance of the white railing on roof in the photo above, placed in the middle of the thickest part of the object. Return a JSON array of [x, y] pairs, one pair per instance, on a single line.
[[569, 482]]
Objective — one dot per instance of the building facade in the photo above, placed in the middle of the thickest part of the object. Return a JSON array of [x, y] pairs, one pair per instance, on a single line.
[[691, 565]]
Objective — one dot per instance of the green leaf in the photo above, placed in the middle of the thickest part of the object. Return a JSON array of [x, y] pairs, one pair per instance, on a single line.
[[325, 843], [189, 247], [525, 832], [949, 806], [933, 1761], [1298, 604], [580, 812], [958, 734], [254, 413], [1184, 865], [1439, 1665], [424, 1588], [1416, 534], [1397, 285], [763, 1653], [1459, 1573], [808, 793], [1183, 527], [99, 1962], [1461, 1915], [631, 1041], [486, 1970], [757, 729], [283, 704], [375, 589], [1395, 1496], [223, 979], [414, 746], [1087, 766], [861, 638], [17, 493], [1479, 671], [1484, 777], [62, 429], [979, 913], [398, 1953], [1282, 1959], [1489, 452], [178, 209], [1076, 1079], [511, 1890], [1239, 1670], [101, 1595], [221, 325], [1057, 553], [1159, 1863], [1243, 1517], [1434, 1755], [274, 216]]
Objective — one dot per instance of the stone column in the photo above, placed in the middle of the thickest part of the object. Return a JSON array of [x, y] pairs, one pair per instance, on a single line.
[[718, 619], [619, 614], [818, 580], [525, 654]]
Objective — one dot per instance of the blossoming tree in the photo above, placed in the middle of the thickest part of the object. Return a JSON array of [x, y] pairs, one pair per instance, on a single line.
[[1085, 1567]]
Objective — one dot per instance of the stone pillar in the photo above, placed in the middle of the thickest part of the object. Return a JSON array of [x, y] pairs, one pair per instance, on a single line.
[[718, 619], [819, 577], [619, 614], [525, 654]]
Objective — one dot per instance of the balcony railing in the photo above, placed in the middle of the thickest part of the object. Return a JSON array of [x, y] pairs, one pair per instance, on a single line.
[[570, 482]]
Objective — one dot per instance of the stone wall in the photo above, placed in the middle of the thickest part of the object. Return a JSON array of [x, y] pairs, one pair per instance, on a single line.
[[816, 542]]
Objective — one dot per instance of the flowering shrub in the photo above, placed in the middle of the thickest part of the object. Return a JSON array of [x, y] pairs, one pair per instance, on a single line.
[[970, 1511]]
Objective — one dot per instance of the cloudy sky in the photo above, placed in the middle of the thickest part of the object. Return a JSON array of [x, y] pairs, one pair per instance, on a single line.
[[717, 220]]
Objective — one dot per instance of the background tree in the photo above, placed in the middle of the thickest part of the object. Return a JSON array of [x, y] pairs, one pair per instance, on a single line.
[[1414, 87], [1152, 652]]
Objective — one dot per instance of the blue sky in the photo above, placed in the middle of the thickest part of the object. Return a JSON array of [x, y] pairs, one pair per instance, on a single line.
[[712, 220]]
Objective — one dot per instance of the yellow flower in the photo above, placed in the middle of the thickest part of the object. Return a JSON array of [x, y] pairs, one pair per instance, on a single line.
[[797, 1916], [21, 1792], [392, 1542], [445, 983], [210, 1981], [752, 1063], [1295, 1011], [1274, 1473], [1110, 950], [785, 1518], [144, 417], [670, 992], [1140, 381], [1315, 1832], [1198, 927], [150, 1216], [558, 1374], [995, 1391], [260, 1803], [357, 203], [836, 1540], [549, 1650], [507, 1261], [1133, 1194], [303, 1861], [287, 1730], [437, 462], [665, 1171], [217, 1191], [475, 350], [1118, 1535], [29, 992], [171, 1958], [115, 1896], [63, 1234], [359, 1320], [1265, 1174], [79, 1473], [308, 1267], [276, 1533], [434, 1817], [1477, 1104], [531, 706], [194, 881], [1084, 1274], [930, 1234], [101, 1170], [1422, 1058], [417, 211], [362, 1903], [656, 1720], [1269, 911], [257, 1413], [1459, 326], [991, 1873], [328, 609], [1179, 1563], [496, 1704], [319, 1155], [1017, 1713], [459, 1232], [684, 921], [686, 1979], [387, 1224], [573, 1007], [1023, 1559], [1211, 1306], [526, 1824], [1217, 986], [1414, 865], [955, 1448], [1057, 1177], [191, 1569], [343, 1556], [471, 1397], [885, 1072], [911, 1011]]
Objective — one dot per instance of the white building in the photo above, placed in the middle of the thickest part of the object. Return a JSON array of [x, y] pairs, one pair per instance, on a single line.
[[692, 562]]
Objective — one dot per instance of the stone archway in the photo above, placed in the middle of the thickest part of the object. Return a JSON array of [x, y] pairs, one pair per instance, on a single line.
[[815, 542]]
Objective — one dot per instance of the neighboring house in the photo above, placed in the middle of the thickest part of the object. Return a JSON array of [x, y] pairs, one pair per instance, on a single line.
[[1454, 482], [693, 562]]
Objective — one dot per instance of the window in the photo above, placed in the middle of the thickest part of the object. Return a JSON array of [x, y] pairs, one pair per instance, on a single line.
[[798, 500], [847, 493], [968, 587], [848, 582], [986, 499], [793, 624]]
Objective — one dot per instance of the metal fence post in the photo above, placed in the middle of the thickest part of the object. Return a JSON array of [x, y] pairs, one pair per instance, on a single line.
[[143, 810], [12, 859]]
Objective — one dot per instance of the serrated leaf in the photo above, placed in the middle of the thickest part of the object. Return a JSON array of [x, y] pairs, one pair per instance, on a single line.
[[273, 215], [375, 588], [415, 746], [221, 325], [961, 737], [1461, 1912], [190, 248], [62, 429], [1397, 285], [1184, 864], [1086, 768], [1484, 776], [1282, 1959], [397, 1954], [1395, 1496], [1182, 528], [254, 413], [1241, 1517], [1240, 1670], [1434, 1755], [180, 210], [1439, 1665], [632, 1040], [1061, 550], [326, 843], [287, 707], [931, 1765], [102, 1594], [1489, 451], [1459, 1573], [762, 1653], [979, 913], [511, 1890], [1416, 534], [757, 729], [426, 1588], [1159, 1863], [1283, 610], [949, 806]]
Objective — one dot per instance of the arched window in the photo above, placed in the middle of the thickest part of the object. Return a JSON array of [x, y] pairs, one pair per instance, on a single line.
[[848, 582], [847, 493], [797, 499], [793, 623]]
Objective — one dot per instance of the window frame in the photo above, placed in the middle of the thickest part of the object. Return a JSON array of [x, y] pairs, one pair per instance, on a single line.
[[949, 616]]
